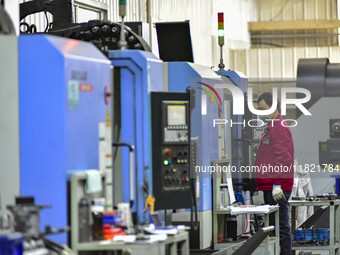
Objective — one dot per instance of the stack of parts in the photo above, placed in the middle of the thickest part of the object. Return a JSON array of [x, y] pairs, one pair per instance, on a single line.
[[111, 223], [246, 209]]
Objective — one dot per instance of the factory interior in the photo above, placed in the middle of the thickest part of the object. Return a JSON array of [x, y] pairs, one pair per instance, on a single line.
[[171, 127]]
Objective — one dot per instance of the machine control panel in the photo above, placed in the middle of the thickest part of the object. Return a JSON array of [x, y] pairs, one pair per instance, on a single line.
[[171, 149], [175, 168], [257, 133], [334, 128]]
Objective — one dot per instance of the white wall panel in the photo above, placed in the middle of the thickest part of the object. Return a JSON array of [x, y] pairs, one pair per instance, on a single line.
[[135, 10], [253, 67], [334, 54], [277, 66], [276, 10]]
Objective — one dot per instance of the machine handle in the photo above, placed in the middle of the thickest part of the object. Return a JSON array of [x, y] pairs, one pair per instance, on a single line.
[[132, 177], [150, 201]]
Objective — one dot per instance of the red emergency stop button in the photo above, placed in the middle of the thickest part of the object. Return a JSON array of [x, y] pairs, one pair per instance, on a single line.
[[167, 152]]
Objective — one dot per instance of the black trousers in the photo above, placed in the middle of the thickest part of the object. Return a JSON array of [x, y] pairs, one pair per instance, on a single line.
[[285, 232]]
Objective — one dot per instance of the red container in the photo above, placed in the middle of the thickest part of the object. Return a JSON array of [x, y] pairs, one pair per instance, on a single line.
[[110, 232]]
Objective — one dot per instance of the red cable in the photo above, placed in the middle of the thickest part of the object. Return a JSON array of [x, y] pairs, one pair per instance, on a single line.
[[246, 224]]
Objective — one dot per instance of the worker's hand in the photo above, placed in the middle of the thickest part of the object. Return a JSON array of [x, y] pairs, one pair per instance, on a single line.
[[278, 195]]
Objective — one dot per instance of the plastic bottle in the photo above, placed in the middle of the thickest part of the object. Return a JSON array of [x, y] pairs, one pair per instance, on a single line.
[[84, 221]]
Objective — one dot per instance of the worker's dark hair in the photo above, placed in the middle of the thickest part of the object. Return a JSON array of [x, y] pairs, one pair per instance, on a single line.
[[268, 98]]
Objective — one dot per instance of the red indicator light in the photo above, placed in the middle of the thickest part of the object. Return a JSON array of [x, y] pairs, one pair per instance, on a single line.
[[220, 18]]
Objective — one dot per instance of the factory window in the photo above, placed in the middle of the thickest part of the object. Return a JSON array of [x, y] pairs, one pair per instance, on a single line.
[[83, 11], [86, 10]]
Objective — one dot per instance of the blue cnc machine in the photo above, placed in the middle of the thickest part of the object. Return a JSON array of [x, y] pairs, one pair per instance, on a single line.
[[61, 103]]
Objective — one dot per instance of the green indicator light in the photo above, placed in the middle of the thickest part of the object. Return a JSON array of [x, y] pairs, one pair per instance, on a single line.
[[221, 32], [166, 162]]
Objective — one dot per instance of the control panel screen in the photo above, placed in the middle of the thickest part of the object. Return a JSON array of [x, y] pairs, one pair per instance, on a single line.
[[176, 115]]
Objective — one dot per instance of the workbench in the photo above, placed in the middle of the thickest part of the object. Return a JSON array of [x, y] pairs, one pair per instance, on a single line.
[[173, 245]]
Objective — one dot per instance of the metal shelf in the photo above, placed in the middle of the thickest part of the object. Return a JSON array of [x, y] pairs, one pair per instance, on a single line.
[[334, 225], [226, 211], [313, 203], [315, 247]]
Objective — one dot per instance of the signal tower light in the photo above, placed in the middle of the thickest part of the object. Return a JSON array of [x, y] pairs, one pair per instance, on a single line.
[[220, 28], [220, 20]]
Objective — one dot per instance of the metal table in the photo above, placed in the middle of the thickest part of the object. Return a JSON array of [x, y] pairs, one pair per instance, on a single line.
[[334, 225], [173, 245]]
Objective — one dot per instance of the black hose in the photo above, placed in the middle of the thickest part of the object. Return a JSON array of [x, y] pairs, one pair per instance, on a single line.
[[257, 227], [194, 224]]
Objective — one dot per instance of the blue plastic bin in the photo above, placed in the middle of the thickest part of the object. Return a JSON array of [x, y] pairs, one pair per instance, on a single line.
[[11, 244], [320, 233], [304, 234], [112, 219], [308, 234]]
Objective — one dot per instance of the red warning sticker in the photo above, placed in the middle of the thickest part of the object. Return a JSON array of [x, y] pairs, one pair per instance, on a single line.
[[85, 87]]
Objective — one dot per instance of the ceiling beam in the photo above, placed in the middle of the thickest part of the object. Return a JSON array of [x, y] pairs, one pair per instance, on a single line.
[[293, 25]]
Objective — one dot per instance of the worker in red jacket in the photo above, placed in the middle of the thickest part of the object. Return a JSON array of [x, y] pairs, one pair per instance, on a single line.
[[275, 166]]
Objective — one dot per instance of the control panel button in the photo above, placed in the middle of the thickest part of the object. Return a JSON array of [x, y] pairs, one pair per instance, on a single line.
[[167, 152]]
